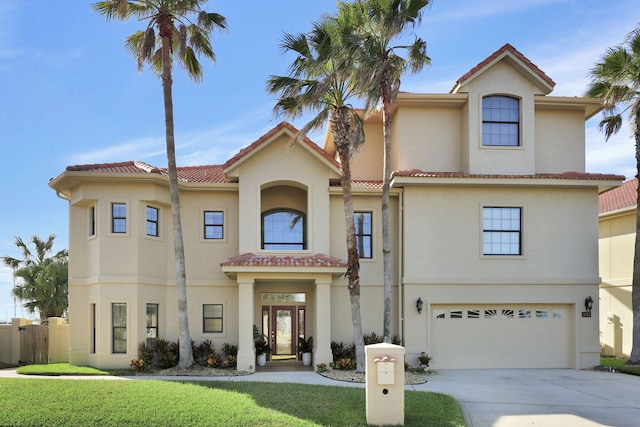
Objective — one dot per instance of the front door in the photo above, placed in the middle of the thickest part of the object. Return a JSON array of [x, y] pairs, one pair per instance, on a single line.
[[283, 332], [283, 324]]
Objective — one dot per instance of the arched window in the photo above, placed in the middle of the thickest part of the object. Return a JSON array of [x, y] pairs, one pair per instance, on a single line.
[[500, 121], [284, 229]]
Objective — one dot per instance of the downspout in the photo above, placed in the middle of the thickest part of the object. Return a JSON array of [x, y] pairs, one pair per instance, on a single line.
[[63, 196], [400, 263]]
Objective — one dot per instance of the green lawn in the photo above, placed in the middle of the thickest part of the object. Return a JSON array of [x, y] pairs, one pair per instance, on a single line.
[[60, 402], [620, 366]]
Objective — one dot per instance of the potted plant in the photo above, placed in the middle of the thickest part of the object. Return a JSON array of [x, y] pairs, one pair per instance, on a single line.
[[262, 346], [424, 360], [305, 347]]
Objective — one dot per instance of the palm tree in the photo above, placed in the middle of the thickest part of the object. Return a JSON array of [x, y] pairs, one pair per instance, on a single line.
[[184, 30], [44, 286], [379, 70], [616, 80], [318, 82]]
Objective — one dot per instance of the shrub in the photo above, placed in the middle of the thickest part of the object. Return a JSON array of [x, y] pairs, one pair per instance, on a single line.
[[230, 362], [371, 338], [230, 349], [165, 354], [145, 356], [203, 352], [322, 367], [340, 350], [343, 364]]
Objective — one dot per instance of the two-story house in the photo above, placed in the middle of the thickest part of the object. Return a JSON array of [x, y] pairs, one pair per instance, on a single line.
[[494, 232]]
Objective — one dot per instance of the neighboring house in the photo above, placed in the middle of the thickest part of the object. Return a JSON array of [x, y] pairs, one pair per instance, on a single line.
[[494, 228], [618, 210]]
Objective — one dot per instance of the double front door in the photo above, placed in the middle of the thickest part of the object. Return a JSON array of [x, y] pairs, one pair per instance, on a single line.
[[283, 324]]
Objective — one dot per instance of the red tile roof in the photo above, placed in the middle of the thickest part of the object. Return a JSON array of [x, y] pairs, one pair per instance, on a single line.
[[506, 48], [625, 196], [566, 175], [253, 260], [209, 173]]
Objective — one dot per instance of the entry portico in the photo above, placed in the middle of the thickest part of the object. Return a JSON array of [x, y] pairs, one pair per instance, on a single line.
[[260, 276]]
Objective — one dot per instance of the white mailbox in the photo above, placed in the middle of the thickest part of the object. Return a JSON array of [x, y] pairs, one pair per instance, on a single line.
[[385, 367]]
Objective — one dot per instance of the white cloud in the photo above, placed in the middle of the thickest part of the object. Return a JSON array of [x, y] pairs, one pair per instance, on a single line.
[[617, 155], [137, 149]]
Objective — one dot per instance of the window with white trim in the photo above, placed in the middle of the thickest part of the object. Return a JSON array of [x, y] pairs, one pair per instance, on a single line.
[[212, 320]]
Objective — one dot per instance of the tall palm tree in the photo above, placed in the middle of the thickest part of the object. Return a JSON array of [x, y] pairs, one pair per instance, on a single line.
[[616, 80], [44, 285], [184, 30], [380, 23], [319, 82]]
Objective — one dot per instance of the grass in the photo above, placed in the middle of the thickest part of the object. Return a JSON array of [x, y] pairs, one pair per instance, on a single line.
[[60, 369], [60, 402], [620, 365]]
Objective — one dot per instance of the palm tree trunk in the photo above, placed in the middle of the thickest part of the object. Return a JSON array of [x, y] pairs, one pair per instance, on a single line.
[[635, 288], [184, 337], [341, 137], [386, 189]]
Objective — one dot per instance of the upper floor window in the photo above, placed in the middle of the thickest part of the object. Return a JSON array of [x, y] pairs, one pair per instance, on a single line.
[[500, 121], [118, 218], [284, 229], [152, 221], [92, 220], [213, 225], [501, 231], [362, 224]]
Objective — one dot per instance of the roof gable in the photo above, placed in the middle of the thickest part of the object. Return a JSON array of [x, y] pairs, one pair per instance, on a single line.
[[517, 61], [264, 141]]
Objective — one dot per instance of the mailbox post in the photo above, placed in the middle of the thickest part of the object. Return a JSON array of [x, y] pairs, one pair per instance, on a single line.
[[384, 384]]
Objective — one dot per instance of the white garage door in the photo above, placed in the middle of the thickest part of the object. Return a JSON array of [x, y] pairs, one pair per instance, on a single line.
[[501, 336]]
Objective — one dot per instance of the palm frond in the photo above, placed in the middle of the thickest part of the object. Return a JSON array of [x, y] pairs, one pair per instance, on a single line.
[[610, 125]]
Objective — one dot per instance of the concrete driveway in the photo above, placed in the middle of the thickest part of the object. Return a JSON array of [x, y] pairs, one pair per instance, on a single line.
[[541, 397]]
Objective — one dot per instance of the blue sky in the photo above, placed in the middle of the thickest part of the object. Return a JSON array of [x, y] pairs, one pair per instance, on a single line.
[[71, 94]]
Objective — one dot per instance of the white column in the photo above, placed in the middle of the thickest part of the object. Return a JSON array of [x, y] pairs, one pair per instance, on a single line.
[[246, 347], [322, 322]]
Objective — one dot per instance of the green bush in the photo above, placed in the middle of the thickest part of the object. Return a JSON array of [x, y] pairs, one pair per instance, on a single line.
[[230, 349], [204, 352]]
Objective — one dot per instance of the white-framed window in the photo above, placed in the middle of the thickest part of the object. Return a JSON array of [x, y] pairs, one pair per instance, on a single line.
[[153, 221], [500, 121], [501, 230]]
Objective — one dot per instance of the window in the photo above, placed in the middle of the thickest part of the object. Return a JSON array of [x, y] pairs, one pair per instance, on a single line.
[[92, 220], [500, 121], [501, 231], [119, 327], [284, 230], [362, 224], [118, 218], [152, 221], [152, 323], [92, 328], [213, 225], [212, 318]]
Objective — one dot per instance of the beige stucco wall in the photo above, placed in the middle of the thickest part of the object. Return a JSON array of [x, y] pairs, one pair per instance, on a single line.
[[560, 139], [616, 248], [445, 245]]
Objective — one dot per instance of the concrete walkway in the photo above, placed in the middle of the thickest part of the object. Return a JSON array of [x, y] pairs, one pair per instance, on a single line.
[[500, 397]]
